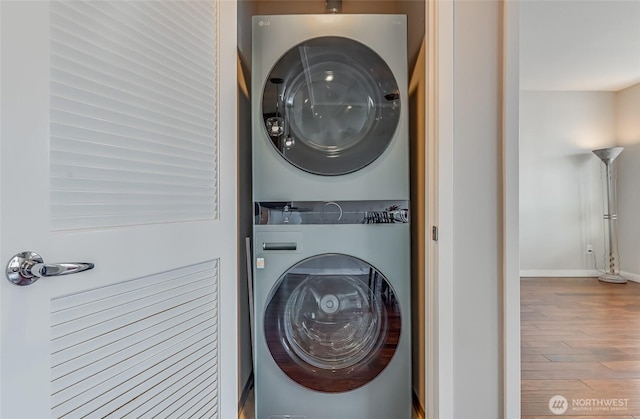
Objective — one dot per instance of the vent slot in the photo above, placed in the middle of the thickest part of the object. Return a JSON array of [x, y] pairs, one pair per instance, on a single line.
[[145, 347], [133, 118]]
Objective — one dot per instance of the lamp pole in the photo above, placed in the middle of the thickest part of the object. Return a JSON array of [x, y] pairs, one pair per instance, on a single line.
[[608, 155]]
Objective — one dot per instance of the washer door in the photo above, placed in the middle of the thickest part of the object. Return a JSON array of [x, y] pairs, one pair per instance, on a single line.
[[332, 323], [331, 106]]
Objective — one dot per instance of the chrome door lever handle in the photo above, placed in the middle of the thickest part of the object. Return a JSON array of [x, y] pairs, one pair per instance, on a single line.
[[25, 268], [56, 269]]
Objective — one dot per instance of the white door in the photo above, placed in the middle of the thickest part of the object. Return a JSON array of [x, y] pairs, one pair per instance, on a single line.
[[118, 147]]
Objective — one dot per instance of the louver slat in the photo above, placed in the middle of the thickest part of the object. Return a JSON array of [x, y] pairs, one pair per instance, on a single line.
[[133, 120], [137, 347]]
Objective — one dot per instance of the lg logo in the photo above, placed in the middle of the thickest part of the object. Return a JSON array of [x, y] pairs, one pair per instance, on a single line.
[[558, 405], [264, 23]]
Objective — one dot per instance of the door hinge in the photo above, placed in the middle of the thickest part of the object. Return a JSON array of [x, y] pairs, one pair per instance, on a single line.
[[434, 233]]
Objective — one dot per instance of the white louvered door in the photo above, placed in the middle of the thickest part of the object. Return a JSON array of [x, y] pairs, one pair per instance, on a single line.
[[118, 147]]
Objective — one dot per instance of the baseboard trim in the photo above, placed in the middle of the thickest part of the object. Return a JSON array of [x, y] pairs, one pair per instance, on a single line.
[[630, 276], [544, 273], [569, 273]]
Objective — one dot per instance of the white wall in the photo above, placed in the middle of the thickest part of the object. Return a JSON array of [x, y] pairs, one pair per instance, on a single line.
[[628, 115], [477, 220], [628, 134], [561, 190]]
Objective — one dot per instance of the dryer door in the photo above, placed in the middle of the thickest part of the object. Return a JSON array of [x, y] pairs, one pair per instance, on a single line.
[[332, 323], [331, 106]]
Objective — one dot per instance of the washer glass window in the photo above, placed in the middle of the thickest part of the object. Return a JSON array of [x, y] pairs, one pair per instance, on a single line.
[[331, 106], [332, 323]]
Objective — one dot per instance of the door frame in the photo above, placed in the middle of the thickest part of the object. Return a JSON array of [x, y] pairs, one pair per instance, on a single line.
[[511, 209], [439, 293], [439, 195], [228, 142]]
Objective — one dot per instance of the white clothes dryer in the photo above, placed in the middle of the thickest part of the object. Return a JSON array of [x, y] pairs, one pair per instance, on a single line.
[[332, 324], [329, 107]]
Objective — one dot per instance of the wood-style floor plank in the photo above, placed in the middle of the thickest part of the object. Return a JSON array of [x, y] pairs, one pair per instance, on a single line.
[[580, 340]]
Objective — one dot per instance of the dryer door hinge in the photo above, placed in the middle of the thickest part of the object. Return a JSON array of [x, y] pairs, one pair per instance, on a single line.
[[434, 233]]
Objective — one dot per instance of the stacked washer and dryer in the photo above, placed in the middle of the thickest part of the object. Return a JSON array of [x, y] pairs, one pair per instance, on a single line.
[[331, 233]]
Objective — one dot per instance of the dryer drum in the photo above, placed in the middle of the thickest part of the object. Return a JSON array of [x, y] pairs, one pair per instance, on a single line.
[[334, 106], [333, 323]]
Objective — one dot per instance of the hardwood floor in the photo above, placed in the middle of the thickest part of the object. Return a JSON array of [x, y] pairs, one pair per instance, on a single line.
[[581, 341]]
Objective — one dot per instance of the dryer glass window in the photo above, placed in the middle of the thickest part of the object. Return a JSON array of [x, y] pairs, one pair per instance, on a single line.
[[332, 323], [331, 106]]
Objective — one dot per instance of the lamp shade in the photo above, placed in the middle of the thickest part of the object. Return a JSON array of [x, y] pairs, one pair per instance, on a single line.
[[607, 155]]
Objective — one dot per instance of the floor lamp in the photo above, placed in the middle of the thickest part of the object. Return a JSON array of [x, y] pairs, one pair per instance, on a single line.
[[608, 155]]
